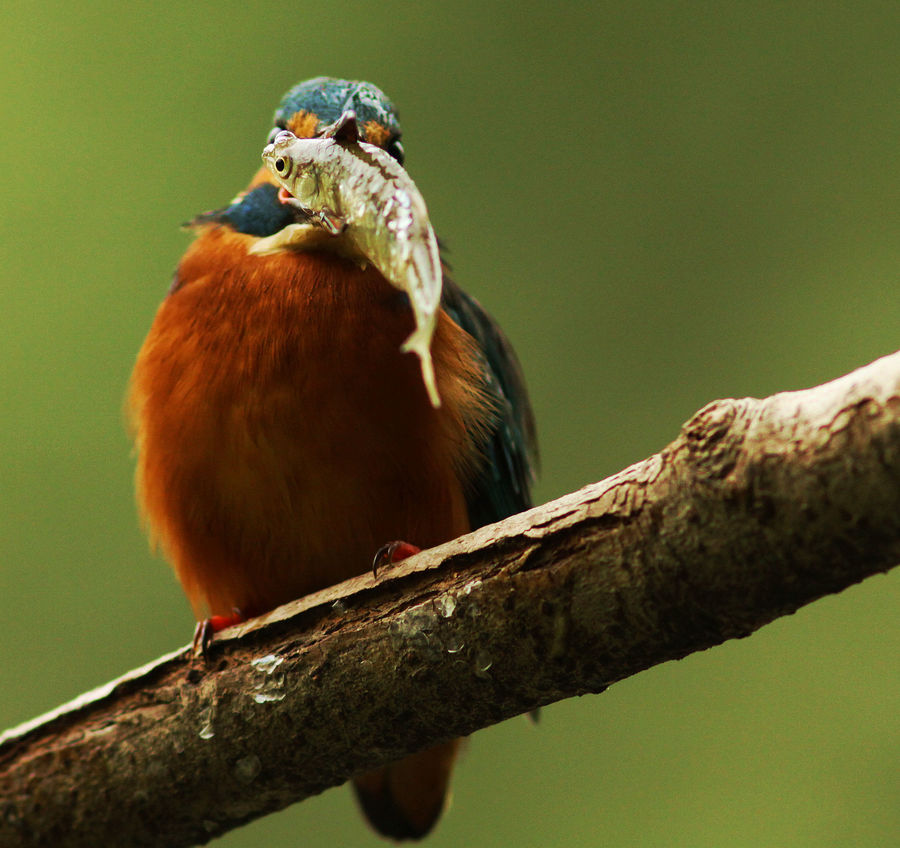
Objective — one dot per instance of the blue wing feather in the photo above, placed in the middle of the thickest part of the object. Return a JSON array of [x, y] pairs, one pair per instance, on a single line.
[[502, 486]]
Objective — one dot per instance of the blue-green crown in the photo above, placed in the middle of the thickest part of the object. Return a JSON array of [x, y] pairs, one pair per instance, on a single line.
[[328, 98]]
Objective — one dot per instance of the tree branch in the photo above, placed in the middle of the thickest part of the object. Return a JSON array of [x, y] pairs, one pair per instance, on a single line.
[[758, 507]]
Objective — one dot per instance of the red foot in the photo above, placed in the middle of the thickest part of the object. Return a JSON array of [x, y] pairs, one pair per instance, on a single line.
[[220, 622], [206, 629], [392, 552]]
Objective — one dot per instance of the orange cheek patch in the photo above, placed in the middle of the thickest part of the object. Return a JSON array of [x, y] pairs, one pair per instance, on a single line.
[[375, 133], [303, 124]]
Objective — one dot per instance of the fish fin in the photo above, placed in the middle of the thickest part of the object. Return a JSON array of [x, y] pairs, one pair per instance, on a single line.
[[293, 236], [345, 128], [331, 222], [405, 799]]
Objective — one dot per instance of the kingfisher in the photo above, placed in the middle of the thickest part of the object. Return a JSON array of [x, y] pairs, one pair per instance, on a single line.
[[284, 438]]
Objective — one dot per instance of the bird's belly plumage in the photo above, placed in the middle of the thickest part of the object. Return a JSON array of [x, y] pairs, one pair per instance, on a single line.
[[282, 436]]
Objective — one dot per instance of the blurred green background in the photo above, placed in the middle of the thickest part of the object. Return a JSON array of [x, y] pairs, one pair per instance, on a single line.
[[663, 203]]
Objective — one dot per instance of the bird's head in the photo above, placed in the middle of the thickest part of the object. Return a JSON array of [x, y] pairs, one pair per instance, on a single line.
[[308, 110], [311, 107]]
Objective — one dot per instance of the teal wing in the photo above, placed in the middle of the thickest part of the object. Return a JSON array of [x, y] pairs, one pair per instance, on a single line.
[[502, 487]]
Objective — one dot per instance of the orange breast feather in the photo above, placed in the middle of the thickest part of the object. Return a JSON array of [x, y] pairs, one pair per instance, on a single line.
[[282, 436]]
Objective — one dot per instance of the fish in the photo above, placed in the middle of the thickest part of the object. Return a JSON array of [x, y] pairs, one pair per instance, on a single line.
[[358, 192]]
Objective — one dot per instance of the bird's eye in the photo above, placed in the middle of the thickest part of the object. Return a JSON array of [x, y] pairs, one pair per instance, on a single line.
[[281, 165]]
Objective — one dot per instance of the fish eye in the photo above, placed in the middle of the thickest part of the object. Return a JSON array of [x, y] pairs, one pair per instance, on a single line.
[[281, 164]]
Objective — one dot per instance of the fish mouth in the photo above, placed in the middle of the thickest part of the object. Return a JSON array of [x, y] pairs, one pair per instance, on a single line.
[[285, 198]]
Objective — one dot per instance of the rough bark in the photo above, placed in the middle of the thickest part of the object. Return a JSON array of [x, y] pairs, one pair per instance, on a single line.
[[758, 507]]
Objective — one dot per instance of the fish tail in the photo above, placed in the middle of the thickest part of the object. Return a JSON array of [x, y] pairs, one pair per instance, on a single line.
[[419, 344]]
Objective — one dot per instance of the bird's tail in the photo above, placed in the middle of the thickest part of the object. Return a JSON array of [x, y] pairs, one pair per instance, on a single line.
[[405, 799]]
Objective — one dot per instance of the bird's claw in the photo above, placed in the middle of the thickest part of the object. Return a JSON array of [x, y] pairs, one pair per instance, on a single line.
[[208, 627], [392, 552]]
